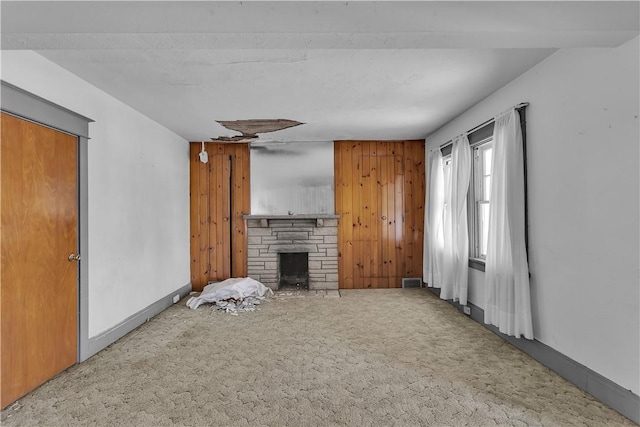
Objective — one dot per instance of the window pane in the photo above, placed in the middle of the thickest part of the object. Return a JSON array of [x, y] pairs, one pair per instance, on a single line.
[[484, 228], [486, 154], [447, 175], [482, 194], [486, 189]]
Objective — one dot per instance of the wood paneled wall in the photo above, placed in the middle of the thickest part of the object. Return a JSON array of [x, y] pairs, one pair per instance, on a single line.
[[220, 196], [380, 193]]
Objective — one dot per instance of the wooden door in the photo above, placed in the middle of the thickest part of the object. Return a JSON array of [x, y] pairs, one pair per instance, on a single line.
[[380, 199], [39, 285], [220, 196]]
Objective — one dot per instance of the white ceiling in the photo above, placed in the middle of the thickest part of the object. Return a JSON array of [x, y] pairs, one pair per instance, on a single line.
[[349, 70]]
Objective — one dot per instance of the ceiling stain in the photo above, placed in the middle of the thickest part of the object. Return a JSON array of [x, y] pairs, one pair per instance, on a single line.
[[252, 127]]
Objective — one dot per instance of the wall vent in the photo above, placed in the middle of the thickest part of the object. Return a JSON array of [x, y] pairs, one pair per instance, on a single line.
[[411, 282]]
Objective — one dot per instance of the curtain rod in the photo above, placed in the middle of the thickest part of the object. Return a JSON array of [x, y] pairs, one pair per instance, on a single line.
[[483, 124]]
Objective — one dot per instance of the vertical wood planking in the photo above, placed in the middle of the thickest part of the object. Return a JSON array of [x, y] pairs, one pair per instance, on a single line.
[[390, 244], [194, 226], [203, 223], [355, 206], [383, 202], [225, 236], [240, 208], [224, 214], [356, 173], [399, 219], [374, 214], [417, 191], [408, 209], [214, 245], [218, 215], [236, 211], [239, 236], [379, 183], [395, 200], [352, 224], [380, 198], [212, 213], [338, 186], [246, 189], [377, 219], [365, 213], [346, 221]]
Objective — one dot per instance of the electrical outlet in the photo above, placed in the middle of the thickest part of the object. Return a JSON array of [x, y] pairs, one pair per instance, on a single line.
[[467, 310], [176, 298]]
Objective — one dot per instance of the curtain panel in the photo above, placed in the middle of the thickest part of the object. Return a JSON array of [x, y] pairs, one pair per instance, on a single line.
[[456, 234], [507, 295], [446, 247], [433, 231]]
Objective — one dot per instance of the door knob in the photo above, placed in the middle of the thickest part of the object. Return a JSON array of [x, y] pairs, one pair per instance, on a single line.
[[74, 257]]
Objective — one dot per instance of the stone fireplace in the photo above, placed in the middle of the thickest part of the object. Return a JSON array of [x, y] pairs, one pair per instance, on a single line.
[[271, 236]]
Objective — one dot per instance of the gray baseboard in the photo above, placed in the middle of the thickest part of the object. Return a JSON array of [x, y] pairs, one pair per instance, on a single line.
[[102, 341], [622, 400]]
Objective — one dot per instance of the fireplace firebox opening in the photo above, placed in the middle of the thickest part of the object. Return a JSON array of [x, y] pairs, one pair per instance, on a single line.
[[294, 270]]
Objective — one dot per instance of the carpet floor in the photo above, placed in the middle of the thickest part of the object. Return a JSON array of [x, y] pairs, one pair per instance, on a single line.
[[370, 358]]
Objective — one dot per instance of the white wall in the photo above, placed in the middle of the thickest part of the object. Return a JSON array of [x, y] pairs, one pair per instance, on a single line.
[[583, 174], [138, 193]]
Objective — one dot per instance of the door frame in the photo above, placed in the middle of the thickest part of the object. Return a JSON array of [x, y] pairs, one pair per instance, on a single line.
[[30, 107]]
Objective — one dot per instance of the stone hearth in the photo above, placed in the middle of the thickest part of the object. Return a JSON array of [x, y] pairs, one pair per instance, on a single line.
[[316, 235]]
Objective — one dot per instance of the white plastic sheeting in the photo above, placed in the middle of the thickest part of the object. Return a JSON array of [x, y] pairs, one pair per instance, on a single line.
[[235, 288]]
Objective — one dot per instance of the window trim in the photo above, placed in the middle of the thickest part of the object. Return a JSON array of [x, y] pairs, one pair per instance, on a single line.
[[477, 264], [474, 227]]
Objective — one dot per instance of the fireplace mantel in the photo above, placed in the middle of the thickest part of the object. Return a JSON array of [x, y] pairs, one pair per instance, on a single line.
[[294, 216], [264, 219]]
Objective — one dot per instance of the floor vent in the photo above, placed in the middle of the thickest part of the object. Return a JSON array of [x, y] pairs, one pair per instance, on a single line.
[[411, 282]]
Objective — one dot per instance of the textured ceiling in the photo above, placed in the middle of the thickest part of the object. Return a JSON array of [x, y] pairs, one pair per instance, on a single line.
[[348, 70]]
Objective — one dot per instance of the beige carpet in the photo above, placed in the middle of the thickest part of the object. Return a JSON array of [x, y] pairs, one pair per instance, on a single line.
[[370, 358]]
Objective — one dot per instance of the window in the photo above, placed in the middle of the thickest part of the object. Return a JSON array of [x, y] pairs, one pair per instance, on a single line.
[[480, 198], [446, 166], [481, 142]]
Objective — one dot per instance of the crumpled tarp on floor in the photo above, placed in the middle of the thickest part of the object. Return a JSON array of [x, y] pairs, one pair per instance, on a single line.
[[232, 295]]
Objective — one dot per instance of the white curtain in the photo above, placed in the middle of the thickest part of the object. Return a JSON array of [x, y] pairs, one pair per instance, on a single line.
[[456, 235], [507, 298], [433, 231]]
